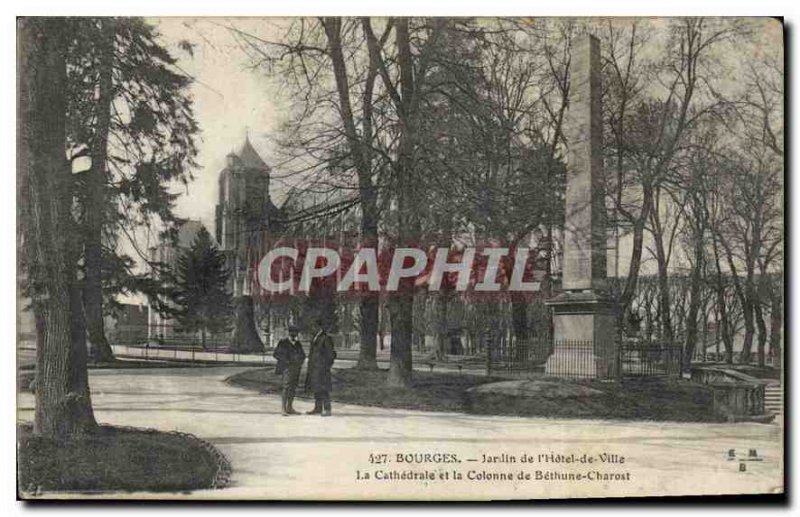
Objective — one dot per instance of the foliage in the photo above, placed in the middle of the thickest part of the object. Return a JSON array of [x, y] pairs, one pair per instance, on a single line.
[[151, 141], [201, 295]]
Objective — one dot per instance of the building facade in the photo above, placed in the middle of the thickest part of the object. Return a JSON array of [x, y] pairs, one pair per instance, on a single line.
[[245, 217]]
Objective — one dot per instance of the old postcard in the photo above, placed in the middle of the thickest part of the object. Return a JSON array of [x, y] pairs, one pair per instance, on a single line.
[[410, 258]]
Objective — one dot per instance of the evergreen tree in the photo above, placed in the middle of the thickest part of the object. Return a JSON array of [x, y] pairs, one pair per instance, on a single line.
[[129, 112], [85, 83], [204, 303]]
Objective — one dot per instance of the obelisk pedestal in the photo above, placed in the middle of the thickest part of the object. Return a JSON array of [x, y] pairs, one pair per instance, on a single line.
[[584, 332], [584, 319]]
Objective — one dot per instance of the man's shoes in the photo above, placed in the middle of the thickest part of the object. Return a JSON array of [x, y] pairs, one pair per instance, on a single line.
[[285, 413], [326, 412], [314, 412], [291, 411]]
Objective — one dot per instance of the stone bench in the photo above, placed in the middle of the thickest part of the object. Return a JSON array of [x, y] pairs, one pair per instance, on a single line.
[[737, 396]]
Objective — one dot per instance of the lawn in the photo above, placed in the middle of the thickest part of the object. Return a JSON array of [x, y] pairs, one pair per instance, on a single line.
[[645, 399], [429, 392], [655, 398], [117, 459]]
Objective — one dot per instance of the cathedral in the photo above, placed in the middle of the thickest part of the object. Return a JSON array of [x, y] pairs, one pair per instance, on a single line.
[[245, 222], [245, 217]]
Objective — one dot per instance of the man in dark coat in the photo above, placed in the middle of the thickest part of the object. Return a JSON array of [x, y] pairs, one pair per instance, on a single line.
[[290, 356], [318, 376]]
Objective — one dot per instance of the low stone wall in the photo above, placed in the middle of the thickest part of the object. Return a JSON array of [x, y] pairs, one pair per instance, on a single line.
[[737, 396], [738, 400]]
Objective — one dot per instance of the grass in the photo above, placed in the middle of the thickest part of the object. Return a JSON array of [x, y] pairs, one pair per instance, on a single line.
[[117, 459], [429, 391], [656, 399], [645, 399]]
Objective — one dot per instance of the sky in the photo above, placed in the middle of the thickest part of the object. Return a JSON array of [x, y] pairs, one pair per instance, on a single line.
[[232, 100]]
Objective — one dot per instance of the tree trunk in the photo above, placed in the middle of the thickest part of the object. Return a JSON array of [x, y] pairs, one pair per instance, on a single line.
[[723, 324], [361, 151], [762, 333], [704, 313], [725, 331], [519, 325], [759, 301], [369, 306], [367, 353], [95, 202], [382, 324], [776, 326], [694, 303], [662, 261], [717, 335], [63, 400], [664, 300], [519, 318], [402, 306], [636, 253], [401, 309], [245, 339], [746, 297], [266, 323], [749, 329], [442, 344]]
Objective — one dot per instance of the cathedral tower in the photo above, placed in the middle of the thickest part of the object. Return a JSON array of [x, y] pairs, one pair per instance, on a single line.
[[244, 213]]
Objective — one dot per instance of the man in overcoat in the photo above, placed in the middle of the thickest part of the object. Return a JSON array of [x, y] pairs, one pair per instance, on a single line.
[[290, 356], [318, 376]]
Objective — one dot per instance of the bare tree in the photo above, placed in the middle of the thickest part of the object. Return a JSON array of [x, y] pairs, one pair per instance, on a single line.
[[698, 168], [361, 152], [654, 107], [332, 65]]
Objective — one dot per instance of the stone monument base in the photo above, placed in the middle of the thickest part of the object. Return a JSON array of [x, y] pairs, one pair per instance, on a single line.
[[584, 337]]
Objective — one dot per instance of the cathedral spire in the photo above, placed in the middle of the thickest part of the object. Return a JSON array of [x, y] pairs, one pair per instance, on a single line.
[[250, 157]]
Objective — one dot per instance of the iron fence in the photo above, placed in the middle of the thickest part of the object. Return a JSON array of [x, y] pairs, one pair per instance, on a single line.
[[584, 359], [518, 356], [649, 359], [577, 359], [167, 336]]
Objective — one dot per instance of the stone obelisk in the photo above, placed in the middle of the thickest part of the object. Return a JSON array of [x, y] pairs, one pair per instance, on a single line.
[[584, 320]]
